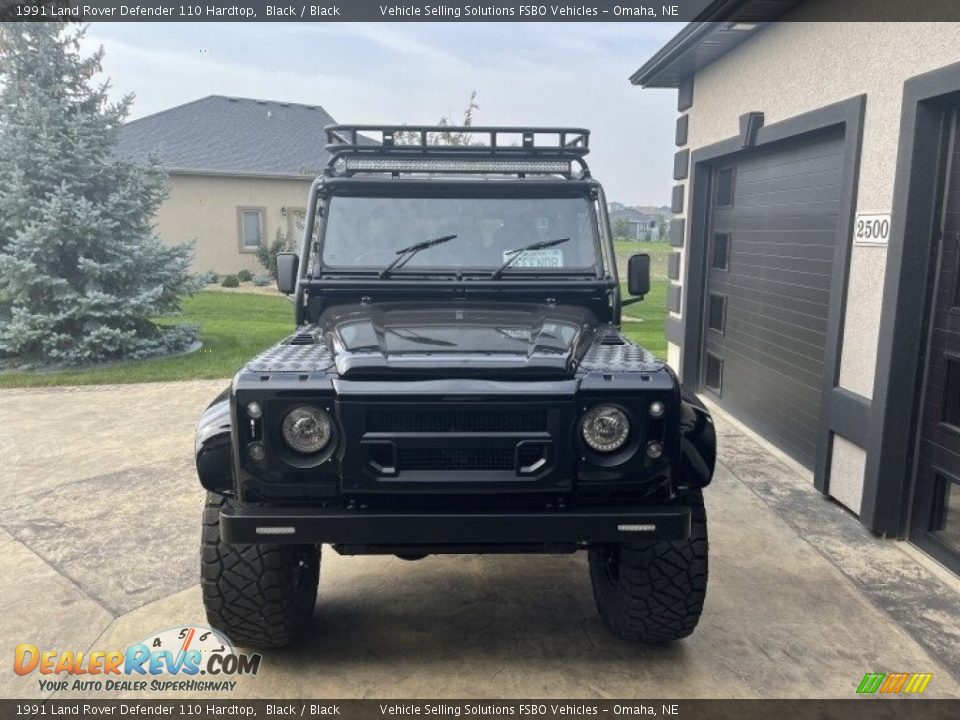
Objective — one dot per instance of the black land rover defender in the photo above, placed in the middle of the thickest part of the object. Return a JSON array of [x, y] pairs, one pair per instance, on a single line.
[[457, 383]]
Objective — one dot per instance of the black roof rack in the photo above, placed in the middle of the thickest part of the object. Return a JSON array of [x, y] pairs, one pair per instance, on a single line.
[[502, 150]]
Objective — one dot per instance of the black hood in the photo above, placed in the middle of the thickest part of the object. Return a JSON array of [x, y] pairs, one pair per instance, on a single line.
[[470, 339]]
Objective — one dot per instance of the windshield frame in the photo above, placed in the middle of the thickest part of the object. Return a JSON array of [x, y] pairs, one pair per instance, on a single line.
[[429, 188]]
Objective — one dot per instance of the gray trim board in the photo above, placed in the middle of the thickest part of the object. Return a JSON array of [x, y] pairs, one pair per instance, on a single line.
[[676, 200], [901, 342], [673, 266], [674, 298], [850, 415], [683, 127], [849, 114], [674, 330], [677, 226], [685, 94], [681, 164]]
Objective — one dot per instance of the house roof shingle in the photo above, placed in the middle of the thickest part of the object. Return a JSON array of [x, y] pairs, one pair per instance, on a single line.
[[235, 136]]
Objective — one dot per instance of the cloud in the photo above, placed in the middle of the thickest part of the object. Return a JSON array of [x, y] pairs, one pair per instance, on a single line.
[[539, 74]]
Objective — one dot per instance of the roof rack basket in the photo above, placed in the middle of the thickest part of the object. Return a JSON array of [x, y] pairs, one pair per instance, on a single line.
[[455, 149]]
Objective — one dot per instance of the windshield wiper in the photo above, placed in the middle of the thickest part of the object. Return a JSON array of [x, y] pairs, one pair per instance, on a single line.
[[416, 337], [406, 254], [520, 252]]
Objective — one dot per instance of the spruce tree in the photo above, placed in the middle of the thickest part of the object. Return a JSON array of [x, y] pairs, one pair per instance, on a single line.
[[83, 275]]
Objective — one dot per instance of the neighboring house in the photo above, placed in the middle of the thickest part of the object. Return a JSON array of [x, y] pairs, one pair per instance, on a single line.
[[239, 171], [638, 223], [816, 289]]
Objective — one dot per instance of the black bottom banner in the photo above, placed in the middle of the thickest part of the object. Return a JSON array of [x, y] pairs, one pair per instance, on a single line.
[[855, 709]]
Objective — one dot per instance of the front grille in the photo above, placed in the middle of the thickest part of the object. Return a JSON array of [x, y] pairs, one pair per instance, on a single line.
[[450, 419], [456, 459], [505, 458]]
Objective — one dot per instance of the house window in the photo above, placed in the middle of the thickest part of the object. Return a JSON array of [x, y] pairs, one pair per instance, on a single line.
[[251, 228], [945, 520], [725, 187], [720, 260]]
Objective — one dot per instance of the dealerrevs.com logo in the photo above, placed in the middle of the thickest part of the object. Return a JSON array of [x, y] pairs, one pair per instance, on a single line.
[[187, 658]]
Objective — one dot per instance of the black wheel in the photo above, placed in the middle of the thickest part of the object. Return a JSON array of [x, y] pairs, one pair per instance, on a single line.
[[259, 595], [653, 591]]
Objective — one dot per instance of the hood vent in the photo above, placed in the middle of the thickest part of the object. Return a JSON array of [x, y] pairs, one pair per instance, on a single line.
[[303, 339], [612, 337]]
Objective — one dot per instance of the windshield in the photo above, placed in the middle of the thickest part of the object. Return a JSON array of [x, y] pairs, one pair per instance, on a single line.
[[367, 232]]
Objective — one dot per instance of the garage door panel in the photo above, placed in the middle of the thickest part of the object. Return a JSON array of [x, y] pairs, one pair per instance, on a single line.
[[793, 442], [822, 227], [779, 293], [804, 328], [764, 182], [813, 275], [818, 256], [779, 197], [782, 230], [747, 328], [771, 360]]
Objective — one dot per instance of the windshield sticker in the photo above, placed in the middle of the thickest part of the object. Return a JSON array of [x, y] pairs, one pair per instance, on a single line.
[[547, 258]]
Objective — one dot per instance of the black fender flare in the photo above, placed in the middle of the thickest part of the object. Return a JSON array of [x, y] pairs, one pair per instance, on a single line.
[[213, 446], [698, 442]]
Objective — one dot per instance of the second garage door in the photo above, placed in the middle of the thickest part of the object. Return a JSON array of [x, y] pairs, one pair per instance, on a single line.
[[772, 240]]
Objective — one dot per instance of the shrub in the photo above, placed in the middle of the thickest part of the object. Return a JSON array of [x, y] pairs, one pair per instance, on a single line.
[[83, 275], [230, 281], [261, 280], [244, 275], [210, 277], [268, 255]]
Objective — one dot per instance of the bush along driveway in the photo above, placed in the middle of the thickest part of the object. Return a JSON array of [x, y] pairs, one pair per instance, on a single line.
[[233, 328]]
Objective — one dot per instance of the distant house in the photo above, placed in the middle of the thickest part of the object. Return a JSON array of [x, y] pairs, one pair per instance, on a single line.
[[638, 222], [239, 171]]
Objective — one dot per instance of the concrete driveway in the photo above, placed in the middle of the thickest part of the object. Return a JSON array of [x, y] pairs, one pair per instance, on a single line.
[[99, 526]]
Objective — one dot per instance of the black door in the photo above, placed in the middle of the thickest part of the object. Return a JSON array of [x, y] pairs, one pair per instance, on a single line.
[[935, 511], [771, 246]]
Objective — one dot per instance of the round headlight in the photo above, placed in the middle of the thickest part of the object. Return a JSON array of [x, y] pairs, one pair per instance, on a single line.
[[307, 429], [605, 428]]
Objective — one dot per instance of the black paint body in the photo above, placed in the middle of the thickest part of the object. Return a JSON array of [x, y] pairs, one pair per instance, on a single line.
[[466, 443]]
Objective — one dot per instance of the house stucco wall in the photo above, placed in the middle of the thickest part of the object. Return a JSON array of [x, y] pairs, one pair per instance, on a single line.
[[204, 209], [794, 67]]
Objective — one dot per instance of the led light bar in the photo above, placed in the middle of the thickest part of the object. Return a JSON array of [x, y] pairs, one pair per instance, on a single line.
[[426, 165]]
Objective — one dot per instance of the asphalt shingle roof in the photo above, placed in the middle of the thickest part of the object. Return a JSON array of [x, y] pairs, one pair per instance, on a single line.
[[218, 134]]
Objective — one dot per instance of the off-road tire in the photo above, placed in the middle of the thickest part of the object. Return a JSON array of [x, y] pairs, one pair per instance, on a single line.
[[653, 591], [260, 595]]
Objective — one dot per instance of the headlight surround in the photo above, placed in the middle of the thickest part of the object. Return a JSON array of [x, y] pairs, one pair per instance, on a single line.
[[307, 429], [605, 428]]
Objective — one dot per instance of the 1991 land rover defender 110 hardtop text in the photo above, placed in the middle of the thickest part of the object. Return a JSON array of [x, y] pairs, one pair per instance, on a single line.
[[457, 383]]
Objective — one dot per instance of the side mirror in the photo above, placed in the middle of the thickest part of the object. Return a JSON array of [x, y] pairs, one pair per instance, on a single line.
[[288, 266], [638, 274]]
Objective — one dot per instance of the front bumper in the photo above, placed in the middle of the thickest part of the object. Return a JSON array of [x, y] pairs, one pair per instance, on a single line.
[[364, 527]]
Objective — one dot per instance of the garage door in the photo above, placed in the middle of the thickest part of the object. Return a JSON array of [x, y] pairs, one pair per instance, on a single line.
[[935, 517], [772, 238]]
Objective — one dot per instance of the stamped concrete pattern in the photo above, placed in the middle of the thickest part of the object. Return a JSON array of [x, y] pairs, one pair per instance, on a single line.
[[104, 550]]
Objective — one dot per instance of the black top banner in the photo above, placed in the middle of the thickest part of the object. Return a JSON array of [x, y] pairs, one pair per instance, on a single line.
[[458, 11], [200, 709]]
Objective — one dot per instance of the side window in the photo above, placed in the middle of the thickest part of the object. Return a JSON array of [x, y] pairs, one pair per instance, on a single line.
[[725, 180], [713, 373], [720, 259], [951, 391], [717, 313], [251, 228]]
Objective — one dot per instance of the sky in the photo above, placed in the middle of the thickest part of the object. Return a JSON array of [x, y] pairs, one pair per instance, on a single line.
[[414, 73]]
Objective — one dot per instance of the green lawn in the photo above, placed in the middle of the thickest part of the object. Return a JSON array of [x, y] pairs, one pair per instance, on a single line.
[[236, 326], [658, 252], [233, 328], [649, 328]]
